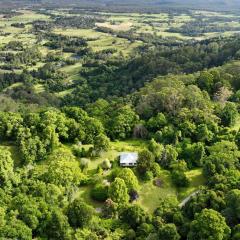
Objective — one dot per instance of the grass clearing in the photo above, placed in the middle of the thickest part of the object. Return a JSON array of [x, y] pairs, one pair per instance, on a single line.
[[124, 26], [151, 195], [196, 179]]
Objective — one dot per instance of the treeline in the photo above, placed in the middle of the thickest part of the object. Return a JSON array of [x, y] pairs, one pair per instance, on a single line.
[[85, 21], [23, 56], [118, 77], [199, 26], [65, 43]]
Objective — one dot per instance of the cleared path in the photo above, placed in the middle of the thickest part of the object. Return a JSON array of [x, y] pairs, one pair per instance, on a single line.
[[187, 199]]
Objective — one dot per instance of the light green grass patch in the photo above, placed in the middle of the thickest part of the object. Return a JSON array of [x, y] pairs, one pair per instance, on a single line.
[[196, 179], [84, 193], [124, 26], [85, 33], [151, 195]]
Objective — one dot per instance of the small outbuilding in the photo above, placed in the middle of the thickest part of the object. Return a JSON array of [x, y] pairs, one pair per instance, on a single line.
[[128, 159]]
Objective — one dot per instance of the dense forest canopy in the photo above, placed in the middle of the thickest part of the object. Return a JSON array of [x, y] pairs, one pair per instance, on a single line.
[[119, 120]]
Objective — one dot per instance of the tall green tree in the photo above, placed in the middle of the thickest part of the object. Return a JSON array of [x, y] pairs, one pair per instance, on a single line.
[[209, 224], [118, 191], [145, 161], [129, 178], [79, 214]]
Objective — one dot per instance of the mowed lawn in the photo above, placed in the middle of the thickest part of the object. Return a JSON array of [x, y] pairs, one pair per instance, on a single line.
[[151, 195], [196, 179]]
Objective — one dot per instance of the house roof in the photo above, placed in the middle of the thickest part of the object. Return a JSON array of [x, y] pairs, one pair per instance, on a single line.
[[128, 157]]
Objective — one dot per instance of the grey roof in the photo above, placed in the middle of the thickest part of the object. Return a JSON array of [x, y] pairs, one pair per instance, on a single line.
[[128, 157]]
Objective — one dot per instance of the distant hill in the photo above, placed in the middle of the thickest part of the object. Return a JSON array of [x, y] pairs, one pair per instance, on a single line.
[[224, 5], [221, 5]]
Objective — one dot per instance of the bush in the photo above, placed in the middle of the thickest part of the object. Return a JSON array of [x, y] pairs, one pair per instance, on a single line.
[[180, 179], [99, 193], [130, 234], [156, 170], [106, 164], [148, 176], [84, 163]]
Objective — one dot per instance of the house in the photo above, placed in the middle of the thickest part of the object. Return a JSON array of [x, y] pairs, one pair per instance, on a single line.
[[128, 159]]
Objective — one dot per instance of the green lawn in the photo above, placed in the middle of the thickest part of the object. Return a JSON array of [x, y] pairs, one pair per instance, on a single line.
[[196, 179], [84, 193], [150, 195]]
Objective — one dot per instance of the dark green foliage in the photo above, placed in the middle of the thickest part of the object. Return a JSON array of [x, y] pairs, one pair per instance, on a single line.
[[99, 193], [209, 224], [232, 207], [57, 226], [79, 214], [145, 161], [229, 114], [134, 216], [179, 178], [168, 232]]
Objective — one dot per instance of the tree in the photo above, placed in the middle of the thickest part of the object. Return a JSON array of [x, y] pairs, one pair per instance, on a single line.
[[223, 157], [169, 156], [222, 95], [156, 148], [236, 232], [85, 234], [106, 164], [145, 161], [32, 148], [205, 81], [123, 121], [232, 211], [167, 208], [15, 229], [229, 114], [93, 128], [134, 215], [179, 178], [203, 134], [79, 214], [101, 143], [118, 191], [129, 178], [63, 169], [168, 232], [6, 167], [204, 199], [156, 123], [57, 226], [28, 210], [209, 224], [193, 154], [144, 230]]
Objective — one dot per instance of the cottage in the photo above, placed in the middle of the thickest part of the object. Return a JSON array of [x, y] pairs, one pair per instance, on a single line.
[[128, 159]]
